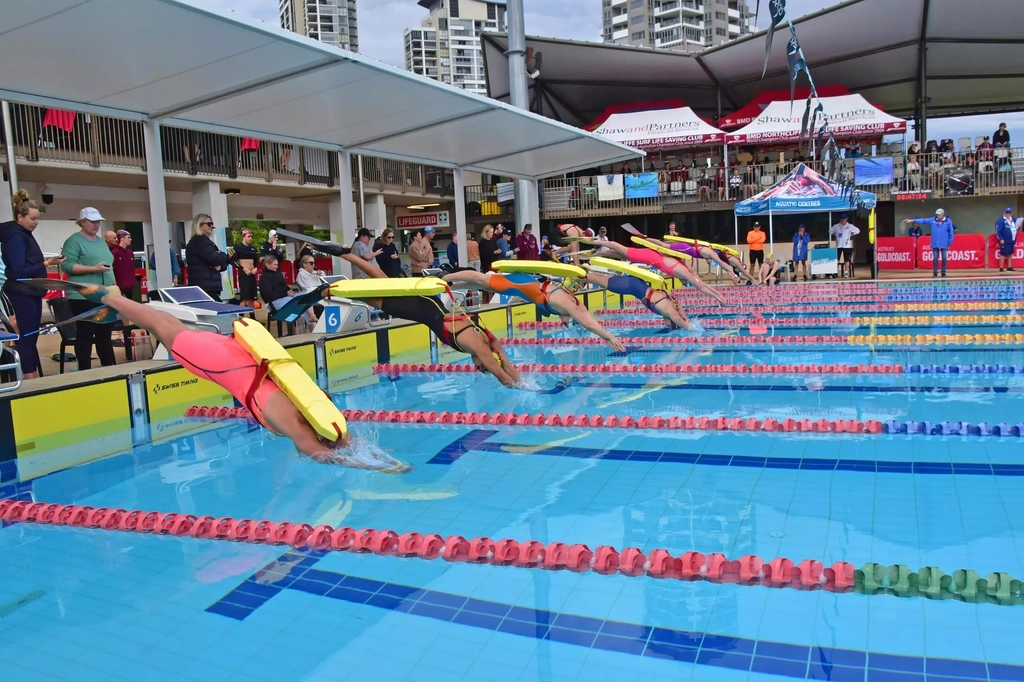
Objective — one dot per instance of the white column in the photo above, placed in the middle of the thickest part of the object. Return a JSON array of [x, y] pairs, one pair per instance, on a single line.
[[375, 217], [460, 217], [157, 200], [342, 212], [12, 167], [207, 198]]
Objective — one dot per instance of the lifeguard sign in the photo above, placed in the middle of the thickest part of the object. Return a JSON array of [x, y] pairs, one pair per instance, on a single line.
[[420, 220]]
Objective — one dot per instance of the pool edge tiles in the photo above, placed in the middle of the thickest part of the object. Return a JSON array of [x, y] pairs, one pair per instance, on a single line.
[[743, 654]]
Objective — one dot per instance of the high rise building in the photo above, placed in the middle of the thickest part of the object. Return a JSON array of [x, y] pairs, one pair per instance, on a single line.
[[329, 21], [675, 24], [446, 46]]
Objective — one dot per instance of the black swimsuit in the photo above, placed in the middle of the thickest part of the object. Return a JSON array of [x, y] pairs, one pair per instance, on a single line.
[[431, 313]]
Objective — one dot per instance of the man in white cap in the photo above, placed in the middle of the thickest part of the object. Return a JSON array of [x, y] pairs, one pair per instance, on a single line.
[[942, 230], [271, 247]]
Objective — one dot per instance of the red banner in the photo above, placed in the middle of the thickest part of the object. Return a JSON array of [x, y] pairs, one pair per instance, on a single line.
[[1018, 251], [966, 253], [895, 253]]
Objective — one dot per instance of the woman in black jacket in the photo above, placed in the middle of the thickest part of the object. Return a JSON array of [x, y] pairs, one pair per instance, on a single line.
[[273, 288], [389, 261], [489, 251], [24, 259], [204, 260]]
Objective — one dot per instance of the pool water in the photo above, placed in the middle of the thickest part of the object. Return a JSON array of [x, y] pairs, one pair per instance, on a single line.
[[83, 605]]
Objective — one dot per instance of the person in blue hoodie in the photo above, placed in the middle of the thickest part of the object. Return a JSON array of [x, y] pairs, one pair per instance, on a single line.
[[942, 230], [801, 242], [23, 259], [1005, 236]]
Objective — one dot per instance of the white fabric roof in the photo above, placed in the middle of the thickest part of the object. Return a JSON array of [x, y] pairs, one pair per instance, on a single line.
[[847, 116], [660, 129], [972, 59], [196, 67]]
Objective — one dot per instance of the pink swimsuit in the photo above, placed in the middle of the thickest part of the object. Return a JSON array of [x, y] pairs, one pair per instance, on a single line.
[[652, 258], [221, 360]]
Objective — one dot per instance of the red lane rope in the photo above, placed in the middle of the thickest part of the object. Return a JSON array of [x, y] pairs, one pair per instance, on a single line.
[[614, 422], [680, 340], [556, 556], [393, 369], [706, 322]]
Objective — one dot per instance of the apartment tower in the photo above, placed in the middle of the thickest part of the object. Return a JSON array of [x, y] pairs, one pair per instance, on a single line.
[[675, 24], [446, 46], [330, 21]]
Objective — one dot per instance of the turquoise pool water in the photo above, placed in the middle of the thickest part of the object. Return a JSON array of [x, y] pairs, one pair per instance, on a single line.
[[82, 605]]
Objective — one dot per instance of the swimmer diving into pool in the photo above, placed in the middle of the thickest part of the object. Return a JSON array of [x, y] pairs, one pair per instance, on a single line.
[[672, 267], [727, 261], [550, 296], [223, 360], [657, 301], [456, 331]]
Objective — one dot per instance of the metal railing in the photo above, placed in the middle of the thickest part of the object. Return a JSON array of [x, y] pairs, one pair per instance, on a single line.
[[979, 172], [49, 135]]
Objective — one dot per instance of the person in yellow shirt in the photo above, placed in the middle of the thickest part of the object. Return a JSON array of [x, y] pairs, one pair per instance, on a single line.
[[755, 240]]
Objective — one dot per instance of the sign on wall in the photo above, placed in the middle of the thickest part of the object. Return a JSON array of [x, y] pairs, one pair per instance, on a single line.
[[420, 220]]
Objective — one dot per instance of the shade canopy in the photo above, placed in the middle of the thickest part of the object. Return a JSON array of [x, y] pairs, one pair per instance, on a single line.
[[195, 67], [847, 116], [660, 129], [969, 54], [747, 114], [804, 191]]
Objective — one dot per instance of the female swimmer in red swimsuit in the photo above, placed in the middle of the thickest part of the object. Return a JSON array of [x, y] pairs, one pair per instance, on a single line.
[[666, 264], [224, 362], [550, 296]]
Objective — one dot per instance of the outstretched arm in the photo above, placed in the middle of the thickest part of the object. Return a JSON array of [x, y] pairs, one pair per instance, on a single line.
[[683, 272], [470, 278]]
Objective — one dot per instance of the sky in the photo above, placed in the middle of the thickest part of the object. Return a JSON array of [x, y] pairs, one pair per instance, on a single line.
[[382, 22]]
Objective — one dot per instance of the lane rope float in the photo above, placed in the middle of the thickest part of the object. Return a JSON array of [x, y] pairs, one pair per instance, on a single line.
[[897, 340], [871, 579]]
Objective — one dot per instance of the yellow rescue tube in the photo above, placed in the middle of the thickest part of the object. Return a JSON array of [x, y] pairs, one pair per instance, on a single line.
[[653, 279], [385, 288], [698, 242], [640, 241], [313, 403], [540, 267]]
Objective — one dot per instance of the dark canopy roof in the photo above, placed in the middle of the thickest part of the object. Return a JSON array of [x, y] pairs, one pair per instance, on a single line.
[[970, 52]]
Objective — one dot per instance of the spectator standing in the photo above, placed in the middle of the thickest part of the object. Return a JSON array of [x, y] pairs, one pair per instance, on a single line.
[[502, 241], [942, 232], [801, 244], [23, 259], [489, 251], [473, 253], [1001, 138], [244, 257], [453, 251], [87, 261], [755, 243], [389, 261], [110, 237], [672, 232], [124, 263], [204, 260], [526, 244], [1006, 235], [175, 268], [361, 249], [421, 253], [271, 247], [844, 232]]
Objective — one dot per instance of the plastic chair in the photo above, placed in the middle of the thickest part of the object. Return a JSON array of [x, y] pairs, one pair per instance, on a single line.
[[964, 143], [60, 309]]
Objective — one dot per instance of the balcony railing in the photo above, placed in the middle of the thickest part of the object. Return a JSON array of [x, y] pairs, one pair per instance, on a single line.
[[984, 172], [49, 135]]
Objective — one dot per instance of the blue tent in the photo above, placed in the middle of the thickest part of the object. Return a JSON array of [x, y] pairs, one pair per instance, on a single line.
[[803, 191]]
